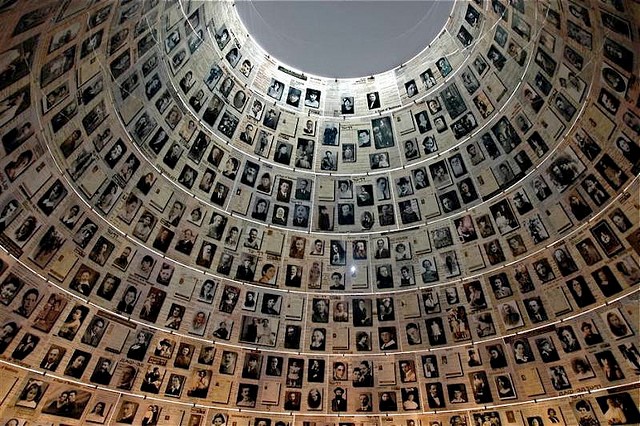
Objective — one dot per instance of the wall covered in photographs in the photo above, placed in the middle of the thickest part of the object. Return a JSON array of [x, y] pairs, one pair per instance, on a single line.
[[192, 233]]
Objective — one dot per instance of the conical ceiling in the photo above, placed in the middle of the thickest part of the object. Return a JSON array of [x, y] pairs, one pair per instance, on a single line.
[[194, 233]]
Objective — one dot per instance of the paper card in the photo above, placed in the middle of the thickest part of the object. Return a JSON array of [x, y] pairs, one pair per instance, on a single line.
[[325, 190], [220, 390], [287, 123], [409, 305], [294, 308], [386, 373], [160, 196], [273, 242], [472, 258], [494, 87], [172, 415], [552, 126], [421, 243], [270, 393], [10, 378], [185, 287], [88, 69], [557, 301], [115, 337], [240, 201], [404, 122], [558, 218], [451, 365], [597, 124], [130, 108], [62, 265], [341, 338], [92, 181], [359, 279], [37, 180], [531, 382], [429, 206], [487, 182]]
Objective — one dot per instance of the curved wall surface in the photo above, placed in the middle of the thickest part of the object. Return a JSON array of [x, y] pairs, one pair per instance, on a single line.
[[192, 233]]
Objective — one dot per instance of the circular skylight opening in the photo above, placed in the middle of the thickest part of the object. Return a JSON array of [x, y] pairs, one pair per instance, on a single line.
[[344, 39]]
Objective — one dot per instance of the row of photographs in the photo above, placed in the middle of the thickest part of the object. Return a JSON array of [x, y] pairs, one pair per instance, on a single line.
[[467, 317], [502, 213], [60, 399], [406, 253], [408, 256], [347, 375], [341, 398], [279, 215], [361, 312], [115, 335], [264, 332]]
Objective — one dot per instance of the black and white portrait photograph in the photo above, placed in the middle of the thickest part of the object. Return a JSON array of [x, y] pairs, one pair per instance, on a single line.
[[382, 132], [312, 98], [440, 174], [564, 169], [373, 100]]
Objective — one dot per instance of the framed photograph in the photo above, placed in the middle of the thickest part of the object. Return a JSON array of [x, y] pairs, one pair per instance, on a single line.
[[500, 36], [453, 101], [378, 160], [606, 238], [373, 100], [619, 408], [543, 270], [429, 271], [517, 245], [409, 211], [444, 67], [483, 104], [504, 174], [32, 393], [411, 151], [616, 323], [422, 121], [504, 217], [629, 269], [511, 316], [411, 88], [261, 331], [382, 132], [440, 174], [56, 392], [536, 229], [312, 98], [457, 393], [582, 368], [349, 153], [450, 261], [469, 81]]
